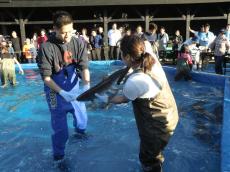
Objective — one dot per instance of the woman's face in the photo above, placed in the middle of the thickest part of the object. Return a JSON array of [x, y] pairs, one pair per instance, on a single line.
[[177, 32], [35, 37], [83, 32]]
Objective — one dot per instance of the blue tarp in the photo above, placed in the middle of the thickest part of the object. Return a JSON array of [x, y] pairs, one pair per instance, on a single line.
[[203, 77]]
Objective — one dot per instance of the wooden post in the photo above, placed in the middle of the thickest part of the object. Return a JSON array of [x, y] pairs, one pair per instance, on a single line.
[[228, 18], [22, 31], [188, 20], [105, 39], [147, 20]]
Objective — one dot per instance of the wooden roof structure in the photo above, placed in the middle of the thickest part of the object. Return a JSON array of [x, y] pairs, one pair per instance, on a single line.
[[26, 16], [62, 3]]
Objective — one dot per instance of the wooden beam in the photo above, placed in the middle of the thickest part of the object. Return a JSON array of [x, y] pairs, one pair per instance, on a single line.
[[38, 22], [105, 17], [89, 21], [168, 19], [127, 20], [209, 18], [22, 31], [5, 1], [66, 3], [105, 39], [8, 23], [147, 20], [75, 21], [188, 20], [228, 18]]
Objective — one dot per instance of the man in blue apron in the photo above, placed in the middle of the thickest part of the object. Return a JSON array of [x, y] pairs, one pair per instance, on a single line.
[[63, 60]]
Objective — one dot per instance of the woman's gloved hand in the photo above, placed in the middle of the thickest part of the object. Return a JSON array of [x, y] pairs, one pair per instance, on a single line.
[[103, 98], [67, 95]]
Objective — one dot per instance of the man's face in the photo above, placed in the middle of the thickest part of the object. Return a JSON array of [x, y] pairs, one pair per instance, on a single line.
[[100, 30], [128, 32], [93, 33], [14, 35], [206, 29], [27, 41], [228, 27], [177, 33], [65, 32], [139, 29], [114, 26], [43, 33]]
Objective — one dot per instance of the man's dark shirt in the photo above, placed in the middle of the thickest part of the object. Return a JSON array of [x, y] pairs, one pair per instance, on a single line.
[[51, 55], [16, 44]]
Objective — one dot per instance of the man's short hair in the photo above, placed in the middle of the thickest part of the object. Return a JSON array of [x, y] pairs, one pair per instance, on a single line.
[[207, 25], [61, 18], [43, 30], [152, 26]]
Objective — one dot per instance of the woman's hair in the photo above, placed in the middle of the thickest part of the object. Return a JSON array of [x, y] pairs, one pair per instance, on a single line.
[[184, 48], [61, 18], [133, 49]]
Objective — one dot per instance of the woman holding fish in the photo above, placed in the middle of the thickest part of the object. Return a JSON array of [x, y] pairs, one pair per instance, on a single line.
[[153, 103]]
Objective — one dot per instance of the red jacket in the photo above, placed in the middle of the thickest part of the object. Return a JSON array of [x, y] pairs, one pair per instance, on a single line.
[[185, 56], [41, 39]]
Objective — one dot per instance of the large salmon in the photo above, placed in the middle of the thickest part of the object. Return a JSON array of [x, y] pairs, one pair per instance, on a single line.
[[104, 85]]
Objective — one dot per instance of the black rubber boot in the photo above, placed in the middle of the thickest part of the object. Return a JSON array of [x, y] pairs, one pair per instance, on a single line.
[[156, 168]]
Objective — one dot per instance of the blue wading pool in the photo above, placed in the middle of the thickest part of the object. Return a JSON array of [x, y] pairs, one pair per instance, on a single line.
[[113, 145]]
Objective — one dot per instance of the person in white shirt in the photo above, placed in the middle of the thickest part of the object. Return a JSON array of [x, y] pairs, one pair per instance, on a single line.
[[195, 53], [209, 35], [163, 39], [227, 32], [114, 36]]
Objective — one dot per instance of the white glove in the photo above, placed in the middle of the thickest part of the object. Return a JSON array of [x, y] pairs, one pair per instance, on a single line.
[[67, 95], [103, 98], [85, 87]]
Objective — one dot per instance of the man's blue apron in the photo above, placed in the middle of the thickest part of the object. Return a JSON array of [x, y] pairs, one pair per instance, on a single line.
[[68, 79]]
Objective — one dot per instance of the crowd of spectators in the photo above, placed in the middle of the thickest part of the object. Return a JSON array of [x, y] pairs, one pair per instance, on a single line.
[[200, 41]]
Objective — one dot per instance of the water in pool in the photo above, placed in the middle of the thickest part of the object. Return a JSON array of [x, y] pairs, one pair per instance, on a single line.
[[25, 144]]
